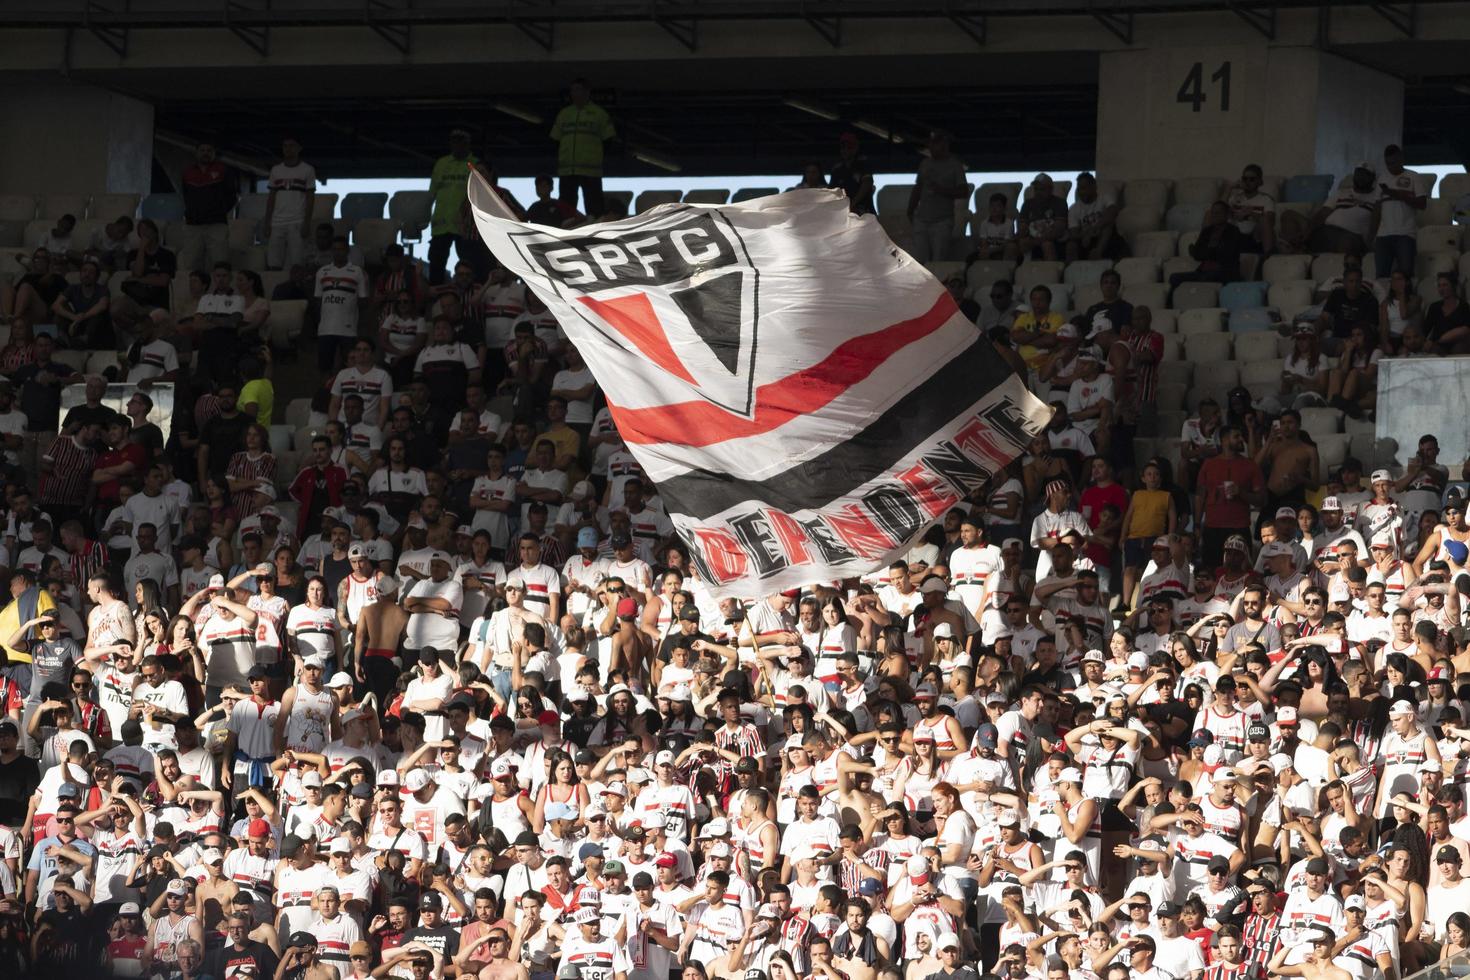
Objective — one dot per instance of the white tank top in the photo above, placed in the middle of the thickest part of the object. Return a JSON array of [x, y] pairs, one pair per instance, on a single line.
[[167, 936], [507, 817], [938, 731], [360, 594]]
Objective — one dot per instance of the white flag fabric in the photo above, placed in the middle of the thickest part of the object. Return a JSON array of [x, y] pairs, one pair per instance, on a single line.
[[806, 397]]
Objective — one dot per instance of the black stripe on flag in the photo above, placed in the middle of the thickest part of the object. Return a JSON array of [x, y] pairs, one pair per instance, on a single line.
[[923, 411]]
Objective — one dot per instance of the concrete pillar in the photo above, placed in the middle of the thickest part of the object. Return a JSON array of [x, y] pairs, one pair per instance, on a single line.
[[67, 138], [1207, 110]]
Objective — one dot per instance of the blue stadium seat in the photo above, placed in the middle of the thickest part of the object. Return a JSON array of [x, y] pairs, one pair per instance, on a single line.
[[1249, 319], [751, 193], [356, 207], [1239, 295], [1307, 188], [162, 207]]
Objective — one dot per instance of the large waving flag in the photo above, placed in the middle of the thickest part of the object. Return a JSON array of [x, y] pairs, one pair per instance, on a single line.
[[806, 397]]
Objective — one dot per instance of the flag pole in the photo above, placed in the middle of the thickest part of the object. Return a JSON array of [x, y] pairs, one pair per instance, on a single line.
[[483, 197]]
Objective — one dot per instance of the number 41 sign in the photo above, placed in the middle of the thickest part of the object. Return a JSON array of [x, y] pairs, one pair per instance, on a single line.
[[1194, 92], [1208, 87]]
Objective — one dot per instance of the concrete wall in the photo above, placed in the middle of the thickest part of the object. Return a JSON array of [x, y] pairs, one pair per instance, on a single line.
[[82, 139], [1292, 109], [1359, 112]]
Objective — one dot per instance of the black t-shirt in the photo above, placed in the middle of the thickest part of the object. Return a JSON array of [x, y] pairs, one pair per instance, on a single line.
[[445, 939], [225, 436], [1347, 312], [41, 400], [18, 780], [68, 944], [849, 178], [48, 287], [1437, 324], [1164, 713], [223, 963], [1117, 314], [161, 260], [150, 437], [85, 414], [1046, 209]]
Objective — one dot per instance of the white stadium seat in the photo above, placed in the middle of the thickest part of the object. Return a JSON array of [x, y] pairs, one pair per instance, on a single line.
[[1138, 268]]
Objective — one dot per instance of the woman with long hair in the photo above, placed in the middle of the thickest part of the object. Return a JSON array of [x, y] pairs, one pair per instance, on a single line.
[[182, 643], [561, 786], [1447, 320], [348, 457], [152, 634], [223, 518], [1399, 308], [915, 787], [837, 636], [1304, 374], [251, 472], [1353, 385], [251, 288], [311, 629], [1192, 666], [661, 612], [289, 577], [954, 835], [147, 598], [20, 348], [1456, 936], [620, 721]]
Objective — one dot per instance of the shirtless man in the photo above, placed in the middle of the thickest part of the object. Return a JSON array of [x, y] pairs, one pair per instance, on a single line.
[[214, 894], [110, 624], [301, 961], [1317, 966], [1290, 463], [632, 649], [380, 629], [496, 950]]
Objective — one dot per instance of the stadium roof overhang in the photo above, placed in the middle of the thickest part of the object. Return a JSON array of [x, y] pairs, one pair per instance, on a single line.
[[711, 86]]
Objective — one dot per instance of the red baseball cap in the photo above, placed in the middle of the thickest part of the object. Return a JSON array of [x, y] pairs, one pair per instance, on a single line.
[[258, 828]]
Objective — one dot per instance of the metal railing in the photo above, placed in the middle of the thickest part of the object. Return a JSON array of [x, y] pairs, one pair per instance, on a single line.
[[1451, 969]]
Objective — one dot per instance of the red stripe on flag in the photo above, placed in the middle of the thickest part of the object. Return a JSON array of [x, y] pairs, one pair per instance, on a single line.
[[633, 317], [700, 423]]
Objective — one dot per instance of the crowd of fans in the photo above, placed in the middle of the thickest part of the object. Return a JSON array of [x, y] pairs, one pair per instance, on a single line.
[[452, 700]]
